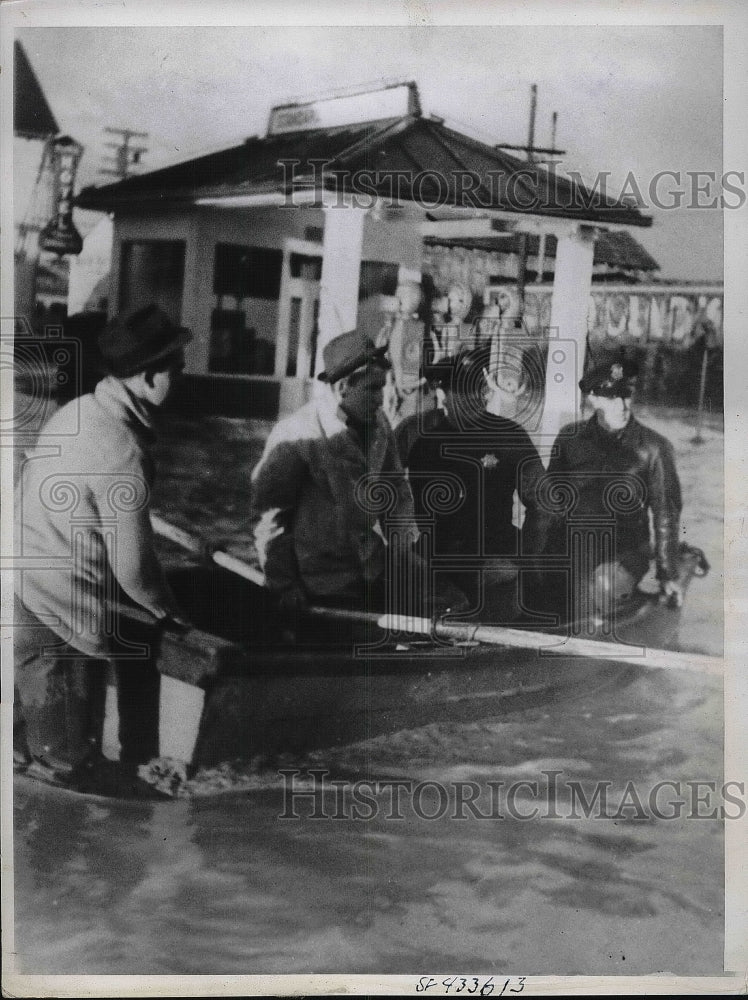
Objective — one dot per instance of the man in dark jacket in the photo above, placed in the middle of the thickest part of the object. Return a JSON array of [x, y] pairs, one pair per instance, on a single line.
[[465, 467], [606, 477]]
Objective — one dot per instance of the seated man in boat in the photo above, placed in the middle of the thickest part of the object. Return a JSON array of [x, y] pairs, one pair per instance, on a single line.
[[335, 509], [607, 477], [84, 533], [465, 467]]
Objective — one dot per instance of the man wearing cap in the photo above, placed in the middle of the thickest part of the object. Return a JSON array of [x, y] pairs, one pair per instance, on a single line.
[[84, 535], [328, 486], [465, 465], [612, 470]]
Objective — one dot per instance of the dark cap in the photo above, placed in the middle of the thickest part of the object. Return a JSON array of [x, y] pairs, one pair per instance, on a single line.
[[130, 344], [611, 379], [347, 352]]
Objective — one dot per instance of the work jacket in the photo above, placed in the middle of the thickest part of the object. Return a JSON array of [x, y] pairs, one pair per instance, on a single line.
[[82, 518], [329, 503], [598, 480], [464, 481]]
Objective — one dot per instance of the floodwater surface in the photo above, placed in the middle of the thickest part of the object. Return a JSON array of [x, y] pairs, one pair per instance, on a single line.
[[225, 884], [220, 884]]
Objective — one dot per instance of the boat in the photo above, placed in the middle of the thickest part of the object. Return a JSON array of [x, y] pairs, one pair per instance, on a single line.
[[342, 678]]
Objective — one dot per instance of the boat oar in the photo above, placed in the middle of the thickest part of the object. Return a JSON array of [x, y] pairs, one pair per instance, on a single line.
[[545, 643], [191, 543], [492, 635]]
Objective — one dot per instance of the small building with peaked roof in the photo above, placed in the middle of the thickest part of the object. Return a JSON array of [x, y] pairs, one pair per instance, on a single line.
[[267, 249]]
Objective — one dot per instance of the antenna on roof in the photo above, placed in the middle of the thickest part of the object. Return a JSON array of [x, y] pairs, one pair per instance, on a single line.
[[531, 148]]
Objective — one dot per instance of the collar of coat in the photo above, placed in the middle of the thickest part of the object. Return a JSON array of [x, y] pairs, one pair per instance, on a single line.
[[115, 397], [336, 430], [333, 420], [624, 434]]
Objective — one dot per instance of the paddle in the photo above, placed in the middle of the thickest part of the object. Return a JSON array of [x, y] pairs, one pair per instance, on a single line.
[[493, 635]]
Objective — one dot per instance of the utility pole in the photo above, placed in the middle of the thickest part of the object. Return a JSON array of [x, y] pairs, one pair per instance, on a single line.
[[531, 149], [125, 156], [542, 238], [522, 237]]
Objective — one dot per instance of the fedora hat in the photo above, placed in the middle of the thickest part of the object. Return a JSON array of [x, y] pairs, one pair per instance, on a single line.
[[130, 344], [347, 352]]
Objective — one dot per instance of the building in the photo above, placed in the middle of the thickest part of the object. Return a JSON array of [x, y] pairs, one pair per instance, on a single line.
[[270, 248]]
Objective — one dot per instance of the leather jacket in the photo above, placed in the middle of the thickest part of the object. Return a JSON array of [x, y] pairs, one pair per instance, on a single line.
[[597, 478]]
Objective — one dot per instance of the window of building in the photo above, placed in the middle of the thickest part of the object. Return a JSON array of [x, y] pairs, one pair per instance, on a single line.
[[246, 287], [377, 278], [306, 267], [247, 272], [152, 271]]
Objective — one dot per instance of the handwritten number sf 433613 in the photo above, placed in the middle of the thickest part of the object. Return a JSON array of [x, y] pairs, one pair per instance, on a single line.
[[471, 984]]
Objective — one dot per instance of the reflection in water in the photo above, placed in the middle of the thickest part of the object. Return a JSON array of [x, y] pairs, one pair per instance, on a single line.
[[222, 885]]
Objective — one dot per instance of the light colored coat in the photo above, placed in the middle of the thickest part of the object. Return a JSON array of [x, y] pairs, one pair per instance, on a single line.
[[328, 501], [82, 518]]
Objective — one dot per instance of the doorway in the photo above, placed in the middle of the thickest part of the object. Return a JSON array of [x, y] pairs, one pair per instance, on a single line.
[[299, 310]]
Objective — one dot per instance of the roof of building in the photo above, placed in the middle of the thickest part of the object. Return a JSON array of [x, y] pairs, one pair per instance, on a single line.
[[616, 248], [405, 159], [32, 116]]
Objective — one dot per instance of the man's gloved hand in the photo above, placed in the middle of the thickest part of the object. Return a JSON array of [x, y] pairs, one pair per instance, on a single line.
[[671, 593]]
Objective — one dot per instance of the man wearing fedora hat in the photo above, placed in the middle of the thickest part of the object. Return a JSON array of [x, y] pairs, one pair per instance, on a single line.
[[612, 471], [84, 534], [322, 532]]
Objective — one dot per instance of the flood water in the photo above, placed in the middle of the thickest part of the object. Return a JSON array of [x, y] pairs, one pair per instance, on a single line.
[[220, 884]]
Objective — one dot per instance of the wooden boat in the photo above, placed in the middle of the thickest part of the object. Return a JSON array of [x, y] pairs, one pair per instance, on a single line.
[[343, 680]]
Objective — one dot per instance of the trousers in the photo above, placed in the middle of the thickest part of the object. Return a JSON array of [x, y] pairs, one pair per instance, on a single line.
[[61, 699]]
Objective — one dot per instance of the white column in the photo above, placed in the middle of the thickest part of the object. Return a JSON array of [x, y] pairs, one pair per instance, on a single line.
[[341, 264], [568, 332]]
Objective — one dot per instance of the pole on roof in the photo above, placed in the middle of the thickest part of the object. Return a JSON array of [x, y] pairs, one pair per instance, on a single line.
[[522, 238], [125, 156]]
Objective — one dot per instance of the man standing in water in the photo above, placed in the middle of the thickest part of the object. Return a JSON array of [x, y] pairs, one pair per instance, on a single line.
[[84, 533], [606, 477]]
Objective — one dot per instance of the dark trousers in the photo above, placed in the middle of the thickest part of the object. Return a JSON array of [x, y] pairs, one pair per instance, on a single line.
[[61, 695]]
